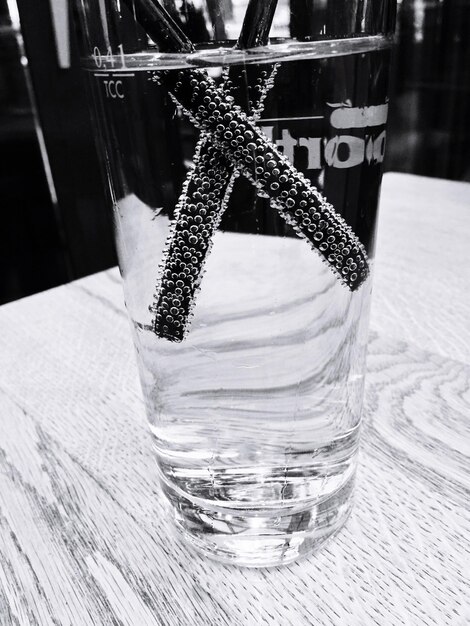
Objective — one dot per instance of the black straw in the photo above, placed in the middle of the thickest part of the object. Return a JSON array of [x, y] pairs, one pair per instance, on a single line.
[[257, 24], [248, 85], [160, 26]]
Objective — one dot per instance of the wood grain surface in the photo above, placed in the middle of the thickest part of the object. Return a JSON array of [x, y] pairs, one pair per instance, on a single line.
[[85, 535]]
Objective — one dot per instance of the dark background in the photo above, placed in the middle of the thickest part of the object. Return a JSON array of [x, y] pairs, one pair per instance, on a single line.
[[55, 232]]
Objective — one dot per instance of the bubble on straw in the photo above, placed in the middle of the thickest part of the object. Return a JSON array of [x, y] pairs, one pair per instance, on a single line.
[[217, 179], [294, 189]]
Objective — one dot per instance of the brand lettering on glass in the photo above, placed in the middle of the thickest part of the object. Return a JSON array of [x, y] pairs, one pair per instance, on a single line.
[[341, 151]]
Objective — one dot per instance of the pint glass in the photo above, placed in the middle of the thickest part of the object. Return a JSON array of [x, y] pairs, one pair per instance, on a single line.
[[243, 143]]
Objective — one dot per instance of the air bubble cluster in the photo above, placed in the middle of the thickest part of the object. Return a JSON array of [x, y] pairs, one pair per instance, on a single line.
[[201, 206], [232, 141], [197, 218], [298, 201]]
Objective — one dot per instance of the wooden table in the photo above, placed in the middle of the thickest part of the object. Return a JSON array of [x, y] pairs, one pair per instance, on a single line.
[[84, 533]]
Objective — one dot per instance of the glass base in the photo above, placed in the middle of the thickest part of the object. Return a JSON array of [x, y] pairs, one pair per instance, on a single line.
[[260, 537]]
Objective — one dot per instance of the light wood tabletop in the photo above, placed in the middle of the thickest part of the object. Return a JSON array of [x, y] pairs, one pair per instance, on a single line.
[[85, 535]]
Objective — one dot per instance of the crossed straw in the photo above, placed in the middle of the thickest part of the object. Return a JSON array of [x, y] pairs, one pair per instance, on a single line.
[[231, 144]]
